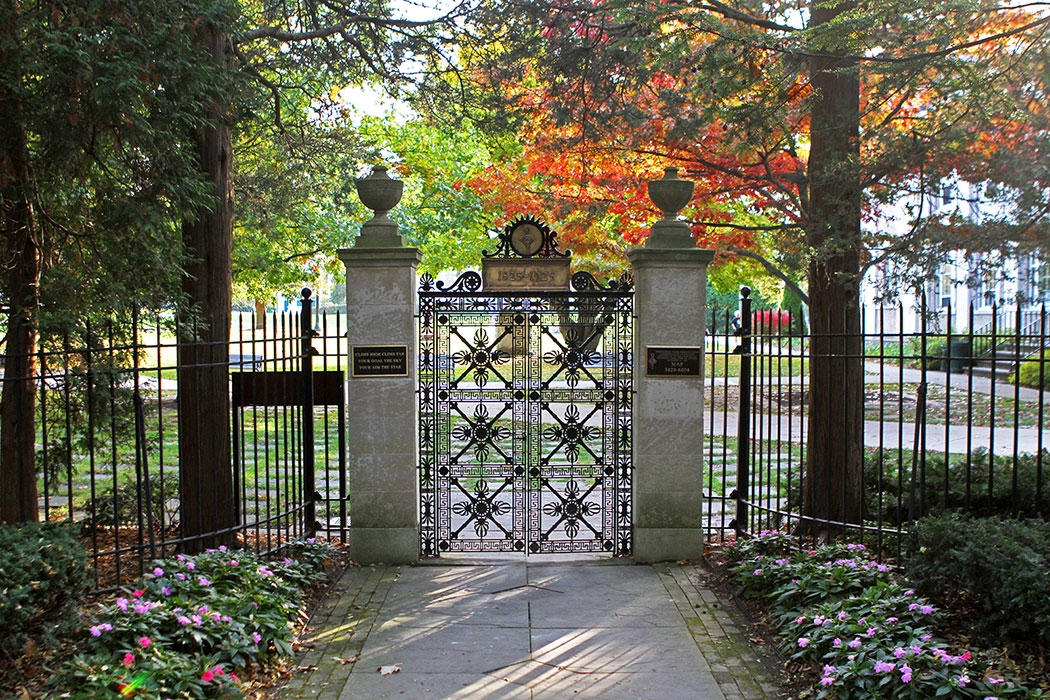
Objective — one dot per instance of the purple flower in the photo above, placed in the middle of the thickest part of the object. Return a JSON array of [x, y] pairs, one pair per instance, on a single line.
[[167, 590], [872, 631], [203, 581], [158, 572], [899, 653], [836, 642], [842, 615], [256, 637], [963, 680], [183, 620], [190, 565], [884, 666], [905, 673], [854, 643], [926, 609], [803, 642], [180, 576], [122, 603]]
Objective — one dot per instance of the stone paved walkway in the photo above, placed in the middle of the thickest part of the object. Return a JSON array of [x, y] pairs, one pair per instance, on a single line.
[[539, 628]]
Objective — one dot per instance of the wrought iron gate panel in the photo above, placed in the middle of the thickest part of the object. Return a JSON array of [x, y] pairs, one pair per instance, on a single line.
[[525, 418]]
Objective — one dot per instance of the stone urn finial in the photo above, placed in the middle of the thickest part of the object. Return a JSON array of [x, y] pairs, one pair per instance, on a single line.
[[380, 193], [670, 194]]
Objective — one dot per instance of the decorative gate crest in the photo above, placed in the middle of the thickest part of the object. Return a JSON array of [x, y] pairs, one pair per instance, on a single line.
[[525, 409]]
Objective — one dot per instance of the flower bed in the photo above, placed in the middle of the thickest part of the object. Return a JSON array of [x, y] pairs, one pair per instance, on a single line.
[[188, 628], [864, 633]]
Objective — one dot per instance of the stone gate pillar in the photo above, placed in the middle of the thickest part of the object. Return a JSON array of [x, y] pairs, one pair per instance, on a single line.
[[382, 481], [670, 304]]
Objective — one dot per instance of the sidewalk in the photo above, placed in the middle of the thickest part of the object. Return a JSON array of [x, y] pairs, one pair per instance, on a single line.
[[539, 628]]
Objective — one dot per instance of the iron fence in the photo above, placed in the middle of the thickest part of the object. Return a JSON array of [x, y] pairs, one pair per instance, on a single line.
[[107, 424], [952, 420]]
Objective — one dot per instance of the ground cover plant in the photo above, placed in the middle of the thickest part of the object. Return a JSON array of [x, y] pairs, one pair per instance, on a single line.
[[191, 627], [860, 631], [994, 571]]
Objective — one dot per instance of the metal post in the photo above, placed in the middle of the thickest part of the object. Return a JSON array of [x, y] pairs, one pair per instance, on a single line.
[[743, 425], [309, 487]]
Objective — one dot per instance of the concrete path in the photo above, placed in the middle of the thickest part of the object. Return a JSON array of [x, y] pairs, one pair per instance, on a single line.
[[891, 435], [541, 628]]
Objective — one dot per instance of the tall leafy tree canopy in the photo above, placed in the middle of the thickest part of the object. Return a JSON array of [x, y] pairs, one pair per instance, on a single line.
[[804, 115], [727, 91]]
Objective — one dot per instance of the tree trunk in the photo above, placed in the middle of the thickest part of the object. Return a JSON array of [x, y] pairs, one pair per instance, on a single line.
[[205, 469], [21, 268], [260, 313], [834, 467]]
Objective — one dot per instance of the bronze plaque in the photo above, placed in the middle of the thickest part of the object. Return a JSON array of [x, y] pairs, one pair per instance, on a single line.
[[525, 274], [379, 361], [672, 361]]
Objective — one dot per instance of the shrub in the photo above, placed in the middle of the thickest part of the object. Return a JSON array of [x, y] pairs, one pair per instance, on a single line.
[[770, 322], [999, 567], [43, 578], [1032, 369], [890, 498], [127, 503]]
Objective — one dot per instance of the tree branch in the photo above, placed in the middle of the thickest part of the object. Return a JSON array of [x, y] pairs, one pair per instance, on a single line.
[[773, 270]]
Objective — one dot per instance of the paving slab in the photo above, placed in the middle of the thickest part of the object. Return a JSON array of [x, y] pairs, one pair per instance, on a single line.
[[536, 628]]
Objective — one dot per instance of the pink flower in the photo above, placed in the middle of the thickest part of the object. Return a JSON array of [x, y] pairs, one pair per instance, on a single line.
[[138, 594], [129, 659], [145, 642], [219, 671], [884, 666], [207, 677]]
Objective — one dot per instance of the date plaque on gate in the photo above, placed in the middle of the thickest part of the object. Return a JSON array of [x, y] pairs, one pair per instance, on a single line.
[[379, 361], [525, 274], [672, 361]]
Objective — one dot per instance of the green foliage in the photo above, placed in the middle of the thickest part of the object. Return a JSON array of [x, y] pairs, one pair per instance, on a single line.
[[838, 611], [1032, 370], [127, 504], [111, 97], [191, 623], [43, 580], [980, 485], [999, 568]]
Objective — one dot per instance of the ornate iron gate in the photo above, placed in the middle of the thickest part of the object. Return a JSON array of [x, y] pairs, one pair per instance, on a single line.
[[525, 417]]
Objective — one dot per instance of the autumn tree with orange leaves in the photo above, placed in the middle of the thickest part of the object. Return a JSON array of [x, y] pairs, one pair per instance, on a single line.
[[796, 120]]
